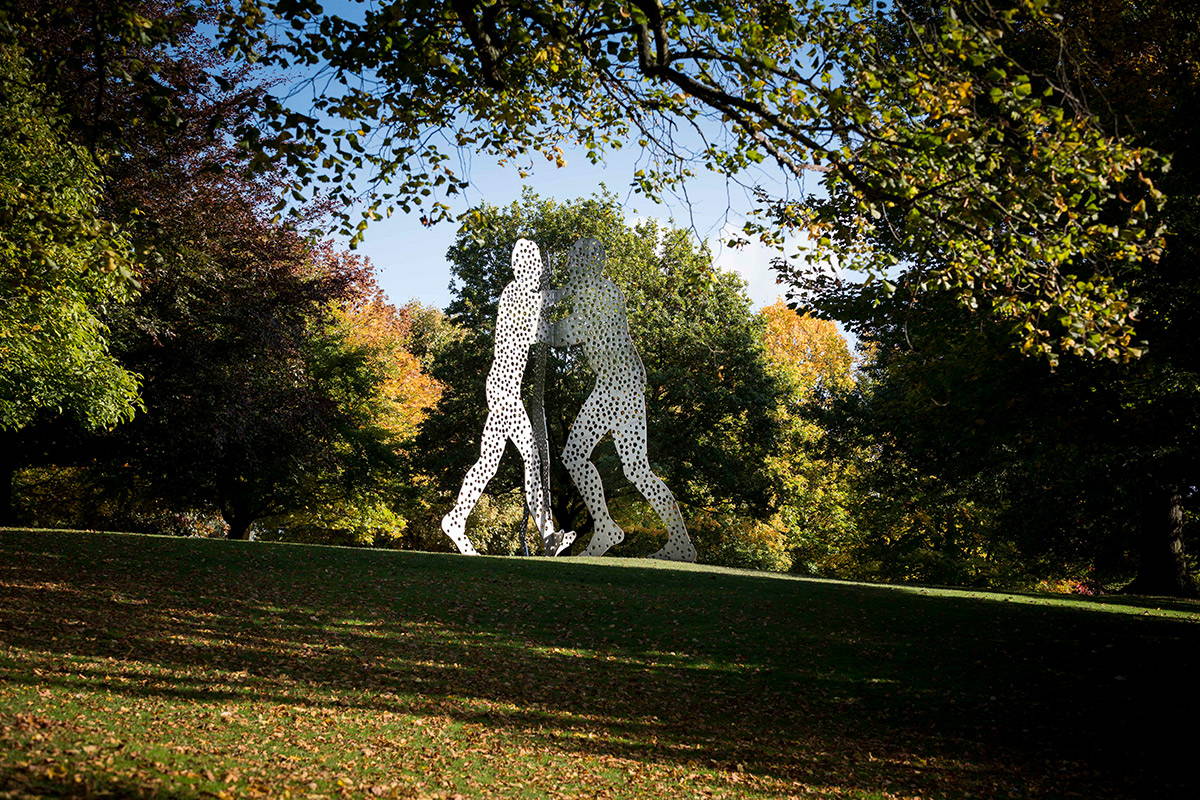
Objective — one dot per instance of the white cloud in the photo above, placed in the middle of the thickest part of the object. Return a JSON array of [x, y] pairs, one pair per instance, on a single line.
[[752, 262]]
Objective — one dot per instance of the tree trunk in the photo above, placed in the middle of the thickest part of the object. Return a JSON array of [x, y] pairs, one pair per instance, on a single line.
[[239, 523], [1161, 566], [525, 529], [571, 515]]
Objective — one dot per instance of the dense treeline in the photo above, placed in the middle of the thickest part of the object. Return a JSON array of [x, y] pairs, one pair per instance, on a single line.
[[176, 358], [1085, 466], [254, 371]]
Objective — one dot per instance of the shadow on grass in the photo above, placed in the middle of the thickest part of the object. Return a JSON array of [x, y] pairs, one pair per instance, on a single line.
[[803, 683]]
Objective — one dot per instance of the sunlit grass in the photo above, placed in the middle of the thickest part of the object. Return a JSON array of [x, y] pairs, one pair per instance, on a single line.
[[151, 666]]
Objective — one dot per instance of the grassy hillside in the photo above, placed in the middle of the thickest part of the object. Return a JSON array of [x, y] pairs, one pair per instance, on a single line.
[[151, 666]]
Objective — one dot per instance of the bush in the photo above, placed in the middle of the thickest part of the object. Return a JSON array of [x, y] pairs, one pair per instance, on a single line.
[[83, 498]]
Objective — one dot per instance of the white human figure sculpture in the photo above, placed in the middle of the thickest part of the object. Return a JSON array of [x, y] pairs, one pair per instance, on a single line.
[[617, 403], [520, 322]]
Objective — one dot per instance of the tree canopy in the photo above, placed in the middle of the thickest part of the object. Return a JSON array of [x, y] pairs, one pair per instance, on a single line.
[[61, 263], [1090, 462], [937, 146], [275, 380]]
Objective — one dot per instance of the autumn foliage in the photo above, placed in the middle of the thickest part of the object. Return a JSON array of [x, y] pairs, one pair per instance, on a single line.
[[384, 333], [811, 352]]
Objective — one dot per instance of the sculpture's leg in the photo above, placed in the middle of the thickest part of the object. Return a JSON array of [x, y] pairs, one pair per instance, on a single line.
[[630, 438], [491, 449], [586, 432], [535, 494]]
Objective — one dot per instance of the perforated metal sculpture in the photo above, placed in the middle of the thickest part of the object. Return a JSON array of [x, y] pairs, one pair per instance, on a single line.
[[520, 322], [616, 405]]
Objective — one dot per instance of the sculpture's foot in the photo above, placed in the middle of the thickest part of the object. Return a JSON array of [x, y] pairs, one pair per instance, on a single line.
[[458, 536], [553, 544], [676, 550], [603, 539]]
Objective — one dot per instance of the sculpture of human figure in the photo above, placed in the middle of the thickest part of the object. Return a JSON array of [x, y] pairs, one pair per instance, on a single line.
[[617, 403], [520, 322]]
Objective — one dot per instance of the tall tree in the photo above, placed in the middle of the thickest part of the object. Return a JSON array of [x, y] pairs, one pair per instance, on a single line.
[[811, 488], [1138, 67], [256, 392], [61, 262], [132, 90], [1098, 457], [243, 379], [382, 389]]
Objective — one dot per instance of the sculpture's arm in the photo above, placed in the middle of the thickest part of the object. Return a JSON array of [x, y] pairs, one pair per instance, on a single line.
[[545, 331], [567, 332], [545, 328]]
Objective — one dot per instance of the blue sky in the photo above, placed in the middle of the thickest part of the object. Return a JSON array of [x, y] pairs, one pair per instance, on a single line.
[[410, 258]]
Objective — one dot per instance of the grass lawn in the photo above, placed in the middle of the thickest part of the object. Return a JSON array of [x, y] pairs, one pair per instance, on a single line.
[[158, 667]]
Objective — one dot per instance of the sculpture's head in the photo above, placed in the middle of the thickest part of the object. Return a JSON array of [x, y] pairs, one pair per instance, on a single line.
[[527, 262], [585, 262]]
